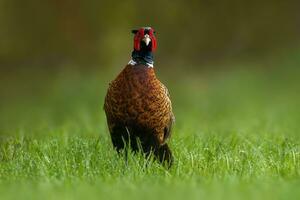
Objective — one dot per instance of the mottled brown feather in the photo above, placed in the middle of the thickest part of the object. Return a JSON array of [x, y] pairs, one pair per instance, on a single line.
[[139, 104]]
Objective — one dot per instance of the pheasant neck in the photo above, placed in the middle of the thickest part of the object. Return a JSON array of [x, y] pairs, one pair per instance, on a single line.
[[142, 57]]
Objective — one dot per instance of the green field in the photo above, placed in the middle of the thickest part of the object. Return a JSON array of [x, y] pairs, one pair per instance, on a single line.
[[236, 136]]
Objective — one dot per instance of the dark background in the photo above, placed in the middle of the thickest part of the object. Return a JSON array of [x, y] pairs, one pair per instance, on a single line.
[[96, 34]]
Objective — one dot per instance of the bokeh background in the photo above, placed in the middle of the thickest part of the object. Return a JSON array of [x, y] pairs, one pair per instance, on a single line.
[[58, 56], [97, 33]]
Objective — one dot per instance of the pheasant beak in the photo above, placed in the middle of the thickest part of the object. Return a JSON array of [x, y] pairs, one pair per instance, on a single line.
[[146, 39]]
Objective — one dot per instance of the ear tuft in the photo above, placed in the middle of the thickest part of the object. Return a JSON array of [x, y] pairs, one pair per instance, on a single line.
[[134, 31]]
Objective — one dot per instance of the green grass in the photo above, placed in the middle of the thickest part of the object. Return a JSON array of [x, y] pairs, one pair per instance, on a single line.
[[236, 136]]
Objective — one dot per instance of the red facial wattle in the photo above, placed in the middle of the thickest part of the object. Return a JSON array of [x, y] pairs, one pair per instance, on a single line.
[[153, 39], [140, 35], [137, 39]]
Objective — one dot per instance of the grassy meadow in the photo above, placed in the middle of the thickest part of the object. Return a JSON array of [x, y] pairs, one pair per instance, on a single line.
[[236, 135]]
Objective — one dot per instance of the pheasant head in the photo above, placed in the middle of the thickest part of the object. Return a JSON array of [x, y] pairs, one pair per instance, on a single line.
[[144, 39]]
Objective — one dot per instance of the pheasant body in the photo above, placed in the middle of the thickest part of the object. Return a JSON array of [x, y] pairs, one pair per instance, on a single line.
[[139, 111]]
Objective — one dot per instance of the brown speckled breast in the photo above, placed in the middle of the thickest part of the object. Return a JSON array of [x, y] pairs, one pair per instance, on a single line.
[[137, 98]]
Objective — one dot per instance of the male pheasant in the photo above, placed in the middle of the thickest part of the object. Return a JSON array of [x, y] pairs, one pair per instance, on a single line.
[[138, 106]]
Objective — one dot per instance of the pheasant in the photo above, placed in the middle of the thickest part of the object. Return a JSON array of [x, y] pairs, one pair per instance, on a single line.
[[138, 106]]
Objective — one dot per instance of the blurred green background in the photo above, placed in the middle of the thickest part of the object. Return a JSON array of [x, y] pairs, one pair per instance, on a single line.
[[97, 33], [56, 56]]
